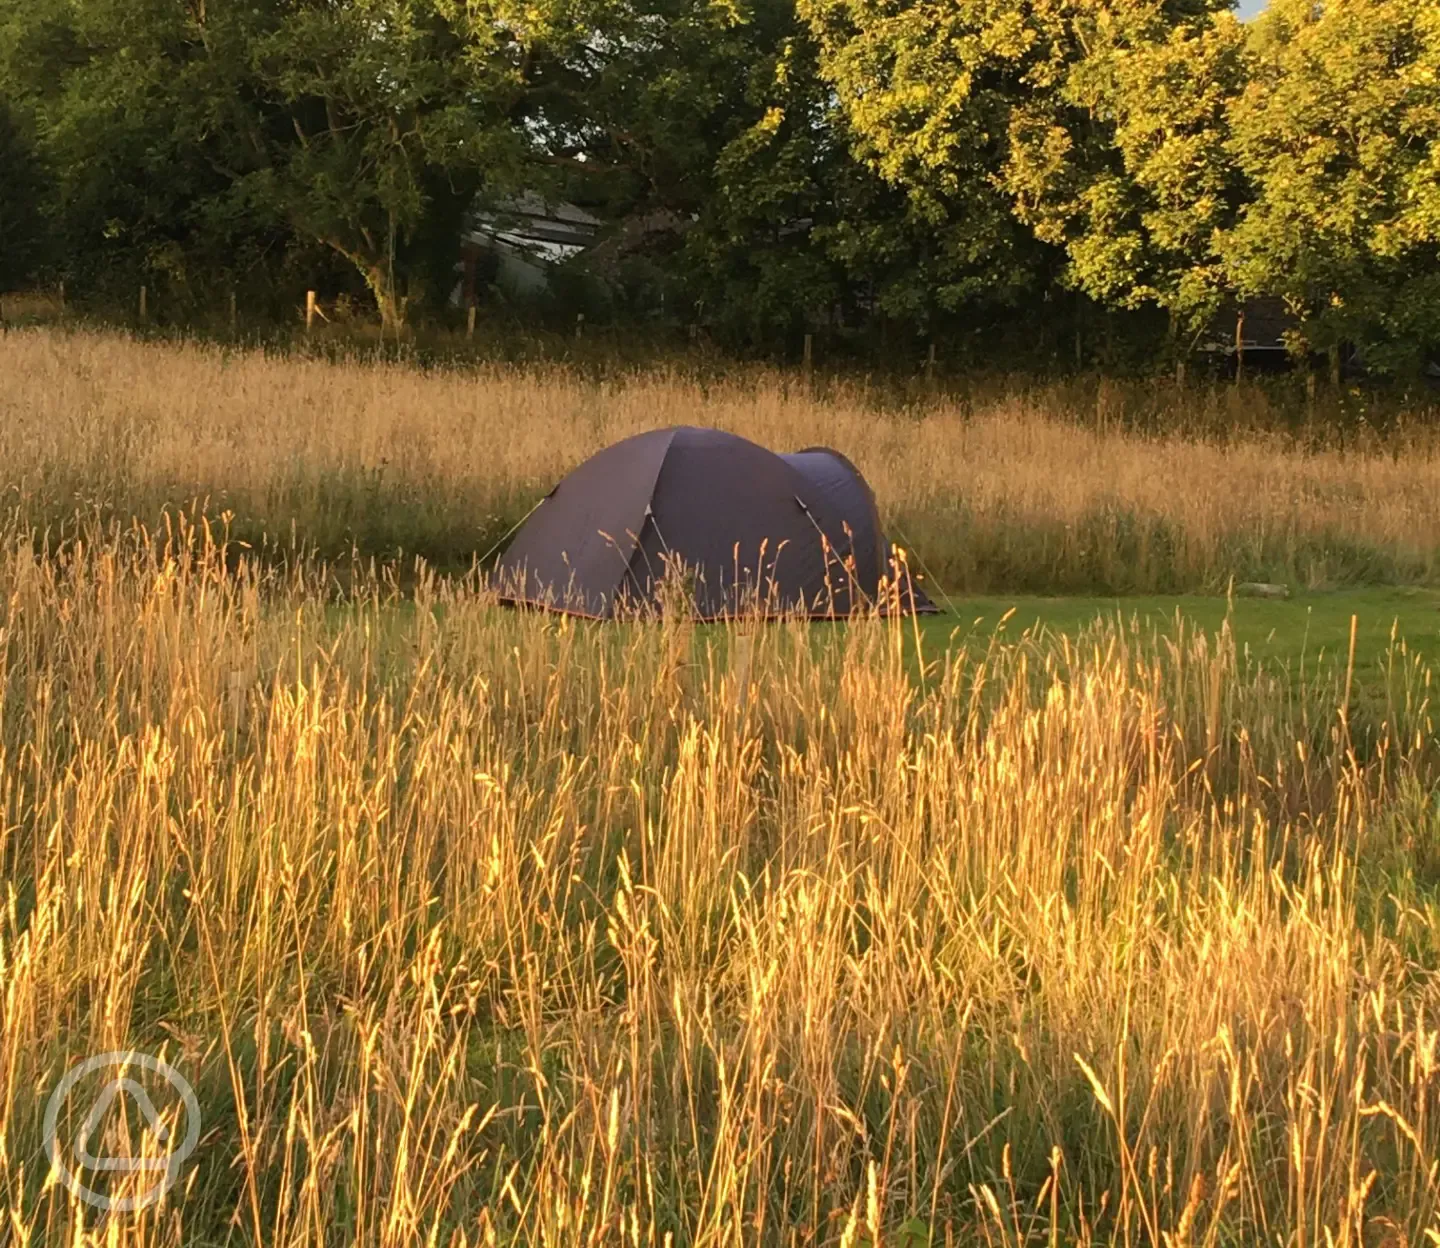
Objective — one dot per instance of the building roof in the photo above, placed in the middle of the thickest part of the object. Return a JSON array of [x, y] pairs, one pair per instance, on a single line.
[[551, 230]]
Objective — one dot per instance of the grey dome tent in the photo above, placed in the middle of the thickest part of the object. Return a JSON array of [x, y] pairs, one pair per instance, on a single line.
[[745, 528]]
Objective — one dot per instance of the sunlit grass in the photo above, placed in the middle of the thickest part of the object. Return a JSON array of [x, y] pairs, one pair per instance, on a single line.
[[473, 926], [1002, 486], [495, 927]]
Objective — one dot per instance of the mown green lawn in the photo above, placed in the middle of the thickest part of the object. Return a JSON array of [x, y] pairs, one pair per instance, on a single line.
[[1308, 627], [1307, 636]]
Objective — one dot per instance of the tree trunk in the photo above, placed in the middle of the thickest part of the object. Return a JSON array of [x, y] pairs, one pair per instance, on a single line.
[[1172, 342], [378, 273], [387, 299]]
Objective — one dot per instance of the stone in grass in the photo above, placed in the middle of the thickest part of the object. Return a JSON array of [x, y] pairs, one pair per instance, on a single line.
[[1261, 589]]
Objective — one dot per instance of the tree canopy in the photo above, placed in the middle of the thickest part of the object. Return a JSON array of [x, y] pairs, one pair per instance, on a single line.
[[1336, 131], [759, 166]]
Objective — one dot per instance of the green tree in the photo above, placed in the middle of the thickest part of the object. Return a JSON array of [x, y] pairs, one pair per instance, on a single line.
[[348, 124], [118, 176], [379, 111], [1126, 167], [1338, 132], [1095, 125], [718, 118], [691, 127], [757, 253], [24, 192], [928, 88]]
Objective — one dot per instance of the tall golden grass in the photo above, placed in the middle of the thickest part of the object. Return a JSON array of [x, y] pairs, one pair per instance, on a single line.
[[472, 926], [1104, 487], [480, 927]]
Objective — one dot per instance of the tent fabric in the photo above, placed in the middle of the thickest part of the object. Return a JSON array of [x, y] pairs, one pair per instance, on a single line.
[[575, 548], [837, 489], [739, 528]]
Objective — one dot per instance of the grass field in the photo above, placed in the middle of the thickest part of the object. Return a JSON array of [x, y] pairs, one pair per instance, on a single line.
[[1005, 487], [1089, 923], [1314, 626]]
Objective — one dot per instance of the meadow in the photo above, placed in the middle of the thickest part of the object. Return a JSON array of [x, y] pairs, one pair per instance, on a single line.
[[1006, 485], [480, 927]]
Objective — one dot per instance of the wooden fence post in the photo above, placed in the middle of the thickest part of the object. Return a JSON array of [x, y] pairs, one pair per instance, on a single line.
[[579, 325], [1240, 346], [309, 310], [930, 367], [470, 322], [234, 312], [809, 353], [144, 303]]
